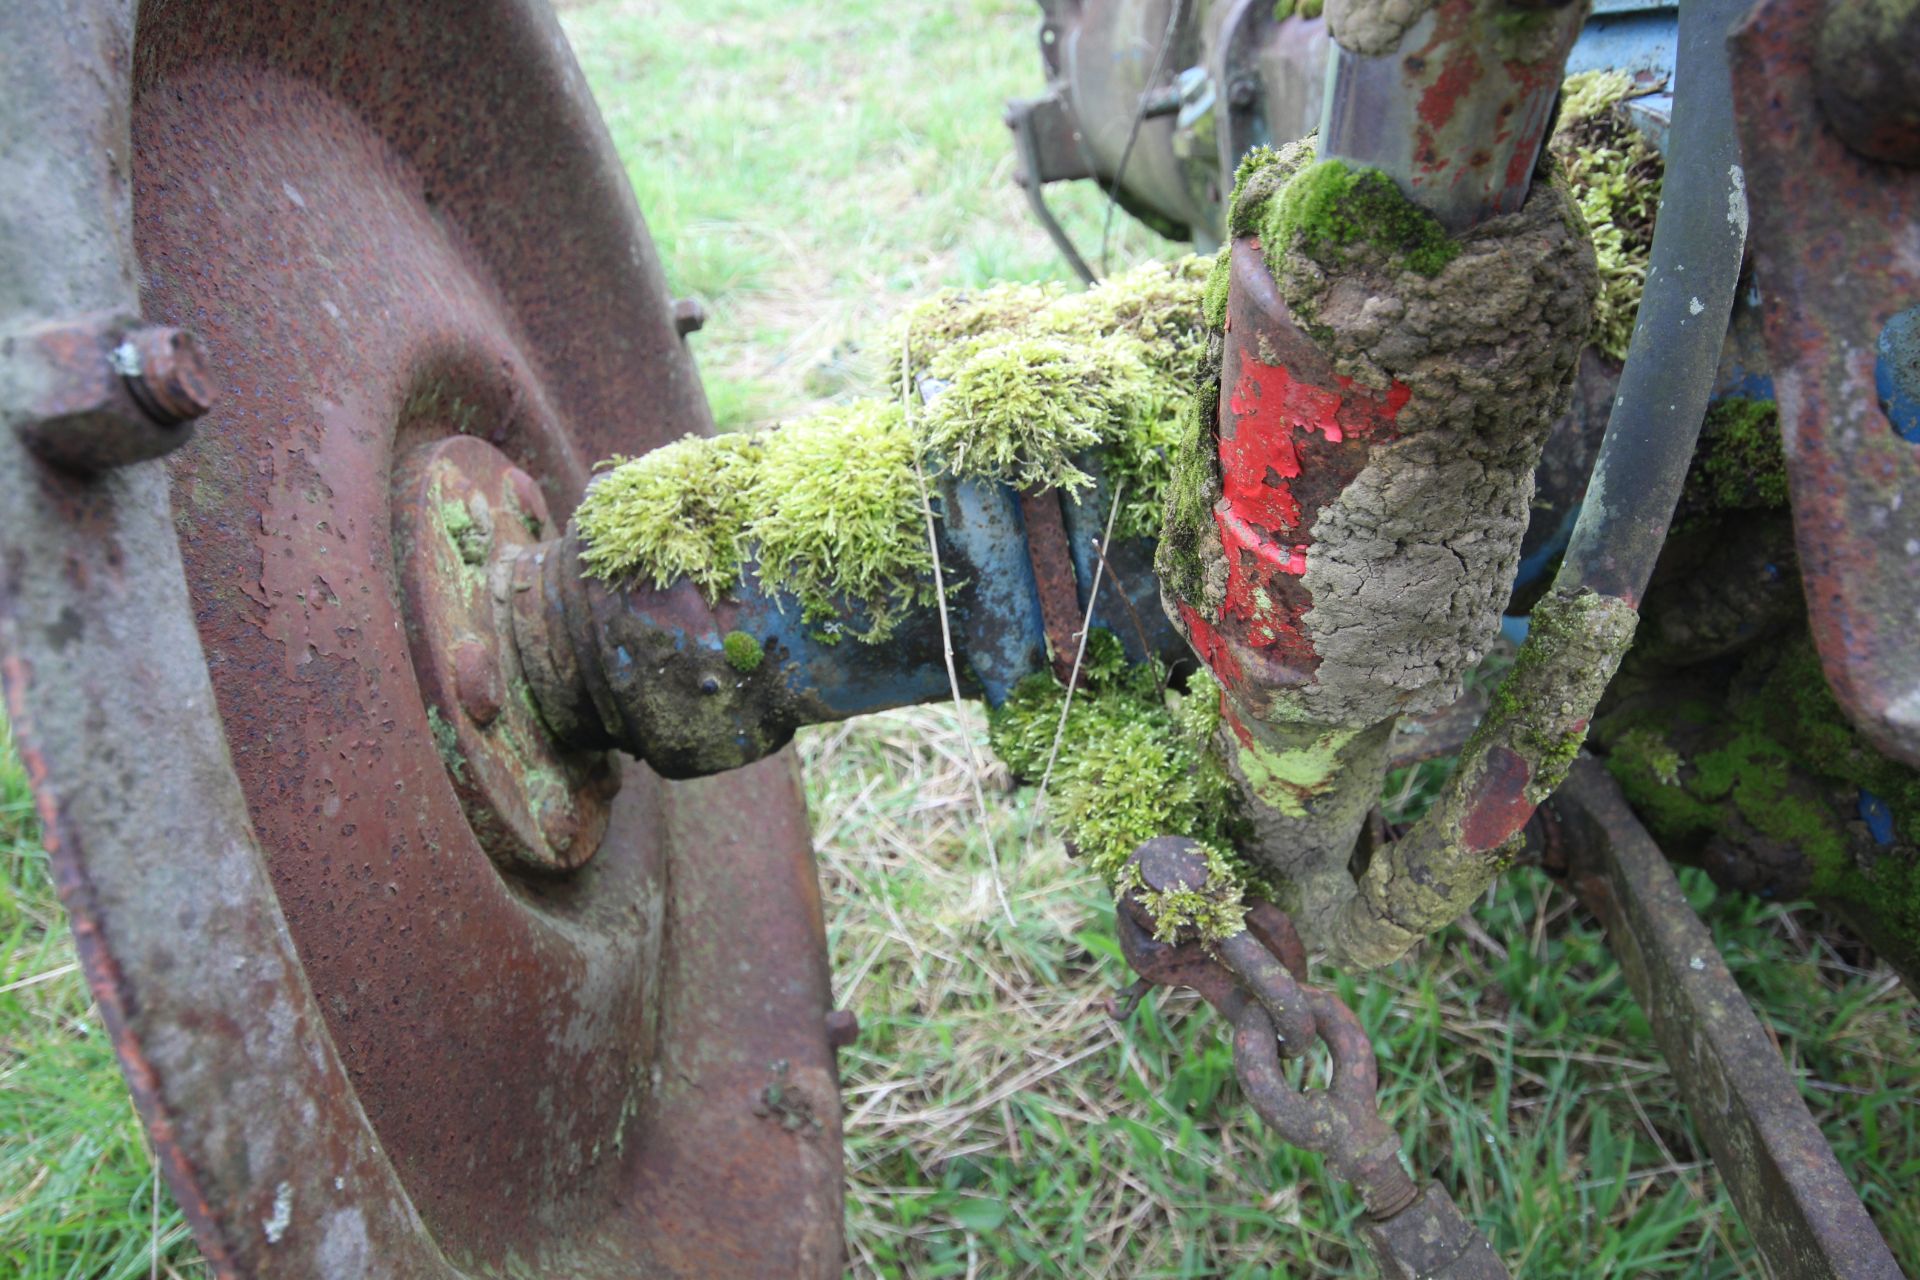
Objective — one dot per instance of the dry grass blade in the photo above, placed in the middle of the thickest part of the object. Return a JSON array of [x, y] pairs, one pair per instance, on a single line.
[[1079, 656], [976, 769]]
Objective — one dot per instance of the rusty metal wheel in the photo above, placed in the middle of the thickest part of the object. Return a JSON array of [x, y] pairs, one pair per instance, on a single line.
[[401, 986]]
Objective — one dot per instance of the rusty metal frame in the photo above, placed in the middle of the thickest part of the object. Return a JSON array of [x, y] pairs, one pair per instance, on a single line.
[[1836, 247], [358, 1048], [1805, 1218]]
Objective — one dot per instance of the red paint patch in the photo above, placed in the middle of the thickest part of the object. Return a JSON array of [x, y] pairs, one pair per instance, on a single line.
[[1456, 79], [1212, 648], [1499, 806], [1283, 438]]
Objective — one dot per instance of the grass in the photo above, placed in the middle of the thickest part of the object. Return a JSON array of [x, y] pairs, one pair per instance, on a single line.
[[809, 169]]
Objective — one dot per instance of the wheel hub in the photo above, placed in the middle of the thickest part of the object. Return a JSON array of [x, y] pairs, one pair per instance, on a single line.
[[462, 514]]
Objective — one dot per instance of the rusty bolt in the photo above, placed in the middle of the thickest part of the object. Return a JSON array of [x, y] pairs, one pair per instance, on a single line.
[[1172, 862], [110, 391], [688, 316], [1166, 863], [527, 496], [166, 374], [843, 1028], [558, 823], [476, 681]]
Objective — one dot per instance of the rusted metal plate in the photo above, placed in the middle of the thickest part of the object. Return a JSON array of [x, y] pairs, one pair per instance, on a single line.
[[1457, 108], [1804, 1217], [1053, 577], [360, 1047], [1836, 249]]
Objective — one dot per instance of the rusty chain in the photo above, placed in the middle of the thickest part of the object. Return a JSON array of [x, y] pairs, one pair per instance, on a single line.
[[1256, 980]]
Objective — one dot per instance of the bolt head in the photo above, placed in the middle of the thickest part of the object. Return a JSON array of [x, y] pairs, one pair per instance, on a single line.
[[169, 376], [477, 682], [559, 825], [843, 1027], [1172, 862], [710, 685], [689, 316]]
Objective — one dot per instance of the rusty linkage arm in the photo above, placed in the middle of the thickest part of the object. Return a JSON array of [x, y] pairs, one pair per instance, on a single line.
[[1253, 979], [1582, 629]]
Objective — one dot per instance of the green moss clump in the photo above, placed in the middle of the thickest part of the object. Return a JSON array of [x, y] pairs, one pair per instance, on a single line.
[[1019, 409], [743, 653], [1130, 767], [829, 508], [1740, 465], [1615, 175], [837, 517], [469, 539], [1034, 381], [1218, 911], [679, 511], [1284, 9], [1188, 525], [1780, 762], [1330, 207], [954, 316]]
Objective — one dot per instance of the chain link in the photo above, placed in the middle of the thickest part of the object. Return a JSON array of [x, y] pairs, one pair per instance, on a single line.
[[1255, 979]]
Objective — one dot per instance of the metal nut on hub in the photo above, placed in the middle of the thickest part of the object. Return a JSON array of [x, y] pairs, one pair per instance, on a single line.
[[476, 677], [465, 519], [166, 374]]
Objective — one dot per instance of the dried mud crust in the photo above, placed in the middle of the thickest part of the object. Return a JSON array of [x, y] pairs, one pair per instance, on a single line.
[[1373, 27], [1413, 561]]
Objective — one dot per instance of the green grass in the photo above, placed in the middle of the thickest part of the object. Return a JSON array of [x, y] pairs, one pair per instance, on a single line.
[[998, 1120], [77, 1190], [808, 169]]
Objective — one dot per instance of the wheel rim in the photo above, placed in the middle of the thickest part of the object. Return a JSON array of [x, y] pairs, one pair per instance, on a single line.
[[393, 232]]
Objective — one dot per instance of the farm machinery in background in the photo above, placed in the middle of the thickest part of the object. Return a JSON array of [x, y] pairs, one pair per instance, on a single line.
[[451, 906]]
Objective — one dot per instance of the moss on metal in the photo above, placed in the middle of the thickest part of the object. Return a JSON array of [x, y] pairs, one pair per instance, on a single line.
[[1779, 762], [1741, 464], [1134, 763], [1330, 207], [468, 538], [1615, 175], [679, 511], [1035, 381], [827, 509], [744, 653]]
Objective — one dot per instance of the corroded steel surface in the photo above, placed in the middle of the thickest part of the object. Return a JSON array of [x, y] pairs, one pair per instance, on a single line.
[[462, 514], [1457, 109], [1791, 1192], [1053, 577], [359, 1046], [1836, 248]]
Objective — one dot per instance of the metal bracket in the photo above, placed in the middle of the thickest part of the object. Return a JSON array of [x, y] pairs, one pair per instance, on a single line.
[[1803, 1214]]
